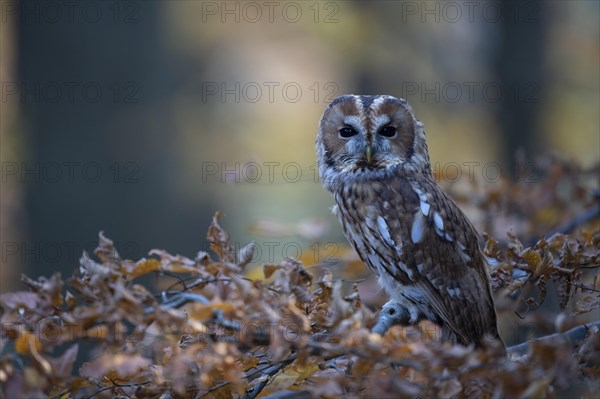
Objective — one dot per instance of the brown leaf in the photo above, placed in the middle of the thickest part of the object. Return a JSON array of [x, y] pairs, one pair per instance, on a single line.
[[124, 365], [63, 365], [14, 300], [246, 255], [219, 240], [268, 270], [449, 388], [288, 376], [175, 263], [533, 259], [513, 243], [70, 300], [141, 267], [107, 253], [50, 288], [94, 271], [563, 290], [27, 342], [587, 304]]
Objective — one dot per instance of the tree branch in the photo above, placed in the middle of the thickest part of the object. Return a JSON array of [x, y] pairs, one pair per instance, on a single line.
[[579, 220], [264, 379], [573, 336], [287, 394]]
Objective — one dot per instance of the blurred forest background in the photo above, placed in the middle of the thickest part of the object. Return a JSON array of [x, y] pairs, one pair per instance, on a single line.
[[142, 119]]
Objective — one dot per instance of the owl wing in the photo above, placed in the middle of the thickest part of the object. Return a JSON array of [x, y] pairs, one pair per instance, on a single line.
[[436, 251]]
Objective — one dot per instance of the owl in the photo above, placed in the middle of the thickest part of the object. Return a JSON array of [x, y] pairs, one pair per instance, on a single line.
[[372, 155]]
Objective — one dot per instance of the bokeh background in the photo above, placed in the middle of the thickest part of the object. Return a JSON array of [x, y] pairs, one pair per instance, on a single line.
[[141, 119]]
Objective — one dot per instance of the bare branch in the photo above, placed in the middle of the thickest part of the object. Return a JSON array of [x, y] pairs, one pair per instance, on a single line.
[[287, 394], [269, 373], [579, 220], [573, 336]]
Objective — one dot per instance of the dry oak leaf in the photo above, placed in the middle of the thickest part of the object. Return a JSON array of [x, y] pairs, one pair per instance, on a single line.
[[123, 364]]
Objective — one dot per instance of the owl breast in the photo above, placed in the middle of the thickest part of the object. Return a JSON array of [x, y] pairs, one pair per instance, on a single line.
[[371, 215], [376, 217]]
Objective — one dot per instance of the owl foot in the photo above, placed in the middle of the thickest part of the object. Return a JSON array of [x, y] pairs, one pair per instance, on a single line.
[[394, 313]]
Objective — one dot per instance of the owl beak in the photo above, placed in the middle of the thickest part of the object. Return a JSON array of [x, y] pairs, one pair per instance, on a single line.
[[369, 154]]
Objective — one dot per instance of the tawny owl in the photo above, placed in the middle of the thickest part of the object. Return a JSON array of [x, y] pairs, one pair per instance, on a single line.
[[373, 157]]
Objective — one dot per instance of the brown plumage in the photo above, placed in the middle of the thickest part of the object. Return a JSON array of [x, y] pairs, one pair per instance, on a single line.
[[373, 157]]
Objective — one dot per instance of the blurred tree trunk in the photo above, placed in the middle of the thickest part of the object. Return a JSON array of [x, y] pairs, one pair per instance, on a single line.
[[95, 85], [519, 69]]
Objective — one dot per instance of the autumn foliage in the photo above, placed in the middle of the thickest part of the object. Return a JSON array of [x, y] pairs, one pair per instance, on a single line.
[[206, 329]]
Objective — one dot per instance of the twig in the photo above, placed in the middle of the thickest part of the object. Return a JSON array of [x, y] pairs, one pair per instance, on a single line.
[[256, 389], [584, 288], [225, 383], [287, 394], [196, 282], [179, 300], [589, 266], [573, 336], [117, 385], [214, 388]]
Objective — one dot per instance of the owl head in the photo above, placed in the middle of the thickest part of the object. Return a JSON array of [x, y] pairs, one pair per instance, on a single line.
[[368, 137]]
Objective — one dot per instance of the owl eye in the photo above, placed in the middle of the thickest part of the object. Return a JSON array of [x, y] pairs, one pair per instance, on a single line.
[[347, 132], [387, 131]]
